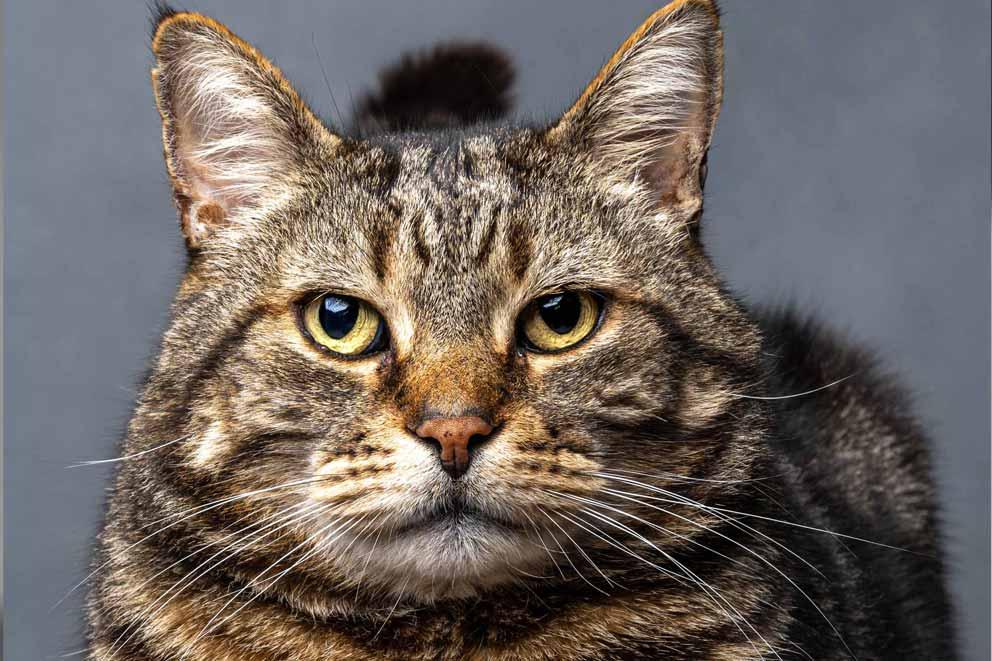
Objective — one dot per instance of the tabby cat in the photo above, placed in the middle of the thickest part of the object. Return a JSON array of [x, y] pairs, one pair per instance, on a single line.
[[442, 387]]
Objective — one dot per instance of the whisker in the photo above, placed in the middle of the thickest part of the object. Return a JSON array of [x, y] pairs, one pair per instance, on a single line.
[[368, 558], [337, 532], [569, 559], [200, 509], [96, 462], [609, 539], [219, 541], [686, 478], [527, 574], [543, 545], [712, 594], [323, 72], [758, 516], [766, 562], [798, 394], [525, 586], [726, 519], [189, 579], [583, 553], [392, 610]]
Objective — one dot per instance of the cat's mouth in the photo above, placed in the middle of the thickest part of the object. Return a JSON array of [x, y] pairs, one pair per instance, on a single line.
[[457, 514], [449, 547]]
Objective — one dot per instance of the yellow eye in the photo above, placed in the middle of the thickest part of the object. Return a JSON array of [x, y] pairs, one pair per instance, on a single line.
[[344, 325], [558, 321]]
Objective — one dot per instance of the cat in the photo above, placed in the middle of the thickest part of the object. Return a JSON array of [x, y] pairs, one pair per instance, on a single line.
[[443, 387]]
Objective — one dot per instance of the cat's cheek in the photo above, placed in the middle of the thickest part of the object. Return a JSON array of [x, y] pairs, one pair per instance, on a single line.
[[208, 445], [391, 471]]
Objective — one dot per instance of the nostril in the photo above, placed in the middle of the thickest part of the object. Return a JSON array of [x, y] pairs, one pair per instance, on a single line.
[[476, 439], [431, 441]]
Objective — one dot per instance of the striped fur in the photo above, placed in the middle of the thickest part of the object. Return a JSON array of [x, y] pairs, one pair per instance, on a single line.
[[630, 504]]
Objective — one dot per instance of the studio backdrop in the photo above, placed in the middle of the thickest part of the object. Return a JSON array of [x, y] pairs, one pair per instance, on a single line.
[[848, 174]]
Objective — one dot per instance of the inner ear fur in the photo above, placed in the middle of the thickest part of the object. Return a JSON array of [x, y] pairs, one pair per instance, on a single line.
[[644, 123], [235, 133]]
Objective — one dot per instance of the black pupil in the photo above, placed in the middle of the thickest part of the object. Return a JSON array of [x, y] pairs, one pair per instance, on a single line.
[[560, 311], [338, 316]]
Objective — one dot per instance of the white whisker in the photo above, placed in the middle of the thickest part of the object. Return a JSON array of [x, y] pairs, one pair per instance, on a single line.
[[569, 559], [759, 516], [677, 500], [543, 544], [583, 553], [337, 532], [766, 562], [392, 610], [798, 394], [711, 593], [186, 514], [95, 462], [192, 576]]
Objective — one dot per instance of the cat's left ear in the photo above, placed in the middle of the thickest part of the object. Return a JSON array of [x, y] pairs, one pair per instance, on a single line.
[[235, 132], [643, 125]]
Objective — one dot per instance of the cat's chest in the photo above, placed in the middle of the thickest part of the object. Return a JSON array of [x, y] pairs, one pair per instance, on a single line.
[[635, 628]]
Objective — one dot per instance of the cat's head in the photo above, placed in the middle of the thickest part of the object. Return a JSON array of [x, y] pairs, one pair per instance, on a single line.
[[429, 358]]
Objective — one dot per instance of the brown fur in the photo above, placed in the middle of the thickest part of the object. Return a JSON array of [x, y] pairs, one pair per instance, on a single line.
[[550, 546]]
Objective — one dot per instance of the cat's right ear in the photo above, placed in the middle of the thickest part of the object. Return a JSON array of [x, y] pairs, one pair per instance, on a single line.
[[234, 130]]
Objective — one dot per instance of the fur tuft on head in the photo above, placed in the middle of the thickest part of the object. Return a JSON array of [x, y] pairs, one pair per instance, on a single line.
[[454, 84]]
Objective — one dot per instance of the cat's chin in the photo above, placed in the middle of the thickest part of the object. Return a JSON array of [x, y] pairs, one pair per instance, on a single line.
[[454, 556]]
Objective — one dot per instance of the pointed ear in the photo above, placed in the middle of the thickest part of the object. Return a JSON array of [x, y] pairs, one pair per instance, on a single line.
[[644, 123], [235, 132]]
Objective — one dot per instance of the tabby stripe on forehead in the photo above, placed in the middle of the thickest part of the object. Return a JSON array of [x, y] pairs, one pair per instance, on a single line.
[[419, 243], [486, 245], [519, 246], [381, 240]]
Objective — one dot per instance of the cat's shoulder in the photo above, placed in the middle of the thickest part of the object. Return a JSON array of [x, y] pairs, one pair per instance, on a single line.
[[845, 421], [806, 357]]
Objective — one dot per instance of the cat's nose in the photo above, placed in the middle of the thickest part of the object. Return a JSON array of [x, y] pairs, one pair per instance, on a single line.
[[456, 436]]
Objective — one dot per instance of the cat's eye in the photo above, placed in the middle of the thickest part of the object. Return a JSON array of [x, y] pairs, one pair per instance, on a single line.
[[558, 321], [344, 325]]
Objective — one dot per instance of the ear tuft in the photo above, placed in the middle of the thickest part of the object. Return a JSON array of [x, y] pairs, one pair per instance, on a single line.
[[646, 120], [235, 132], [158, 12]]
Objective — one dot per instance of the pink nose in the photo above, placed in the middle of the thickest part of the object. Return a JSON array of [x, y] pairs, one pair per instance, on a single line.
[[455, 436]]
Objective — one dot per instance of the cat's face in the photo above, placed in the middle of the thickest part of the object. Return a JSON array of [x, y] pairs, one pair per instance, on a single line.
[[447, 346]]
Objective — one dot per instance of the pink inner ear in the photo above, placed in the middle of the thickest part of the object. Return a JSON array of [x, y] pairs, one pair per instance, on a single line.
[[202, 207], [230, 148], [669, 174], [648, 116]]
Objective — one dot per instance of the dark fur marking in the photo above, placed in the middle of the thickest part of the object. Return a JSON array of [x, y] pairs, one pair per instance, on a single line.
[[519, 248], [486, 245], [381, 242], [419, 245]]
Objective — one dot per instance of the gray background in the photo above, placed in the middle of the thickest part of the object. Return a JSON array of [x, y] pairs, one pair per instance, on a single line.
[[850, 173]]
